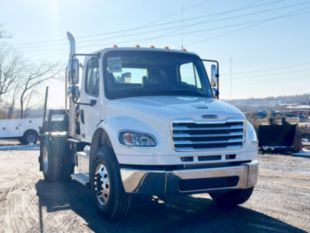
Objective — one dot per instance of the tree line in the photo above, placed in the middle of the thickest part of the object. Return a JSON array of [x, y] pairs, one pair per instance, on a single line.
[[20, 79]]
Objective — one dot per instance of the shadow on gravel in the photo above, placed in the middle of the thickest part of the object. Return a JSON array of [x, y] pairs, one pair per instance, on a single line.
[[180, 214]]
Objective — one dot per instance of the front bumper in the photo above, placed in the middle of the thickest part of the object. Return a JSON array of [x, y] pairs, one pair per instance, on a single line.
[[189, 181]]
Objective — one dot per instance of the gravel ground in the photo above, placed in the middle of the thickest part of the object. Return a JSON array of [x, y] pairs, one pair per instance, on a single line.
[[280, 203]]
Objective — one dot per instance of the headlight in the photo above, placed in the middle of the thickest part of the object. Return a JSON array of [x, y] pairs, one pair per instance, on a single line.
[[251, 133], [130, 138]]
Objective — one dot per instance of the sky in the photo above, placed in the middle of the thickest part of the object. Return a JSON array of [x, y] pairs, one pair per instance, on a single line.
[[262, 45]]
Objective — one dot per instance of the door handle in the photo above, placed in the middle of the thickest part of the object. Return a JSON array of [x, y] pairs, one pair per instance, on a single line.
[[82, 116]]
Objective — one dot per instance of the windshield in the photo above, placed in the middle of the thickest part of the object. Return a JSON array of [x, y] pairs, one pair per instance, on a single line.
[[151, 73]]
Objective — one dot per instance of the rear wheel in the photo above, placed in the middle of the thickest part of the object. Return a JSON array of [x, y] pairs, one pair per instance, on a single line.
[[107, 187], [231, 198], [30, 137], [56, 161]]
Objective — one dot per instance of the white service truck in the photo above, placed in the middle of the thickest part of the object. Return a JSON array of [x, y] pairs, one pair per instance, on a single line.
[[148, 121], [25, 130]]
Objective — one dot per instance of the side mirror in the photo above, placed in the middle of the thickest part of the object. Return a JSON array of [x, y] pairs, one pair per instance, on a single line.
[[212, 68], [73, 71], [214, 76]]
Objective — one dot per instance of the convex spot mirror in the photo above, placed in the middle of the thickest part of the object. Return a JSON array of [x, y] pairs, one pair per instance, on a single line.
[[73, 92], [73, 71]]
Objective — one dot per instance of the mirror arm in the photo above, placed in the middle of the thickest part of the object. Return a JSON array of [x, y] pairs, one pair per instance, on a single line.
[[86, 104]]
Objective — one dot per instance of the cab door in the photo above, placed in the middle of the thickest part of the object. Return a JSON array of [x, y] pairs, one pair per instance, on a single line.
[[89, 98]]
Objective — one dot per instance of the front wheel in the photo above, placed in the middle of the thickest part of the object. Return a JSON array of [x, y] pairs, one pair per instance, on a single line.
[[231, 198], [107, 187]]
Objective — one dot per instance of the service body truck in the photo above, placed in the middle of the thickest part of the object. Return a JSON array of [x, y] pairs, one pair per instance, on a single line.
[[25, 130], [148, 121]]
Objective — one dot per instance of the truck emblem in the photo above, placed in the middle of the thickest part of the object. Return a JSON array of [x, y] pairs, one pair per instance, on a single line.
[[209, 116]]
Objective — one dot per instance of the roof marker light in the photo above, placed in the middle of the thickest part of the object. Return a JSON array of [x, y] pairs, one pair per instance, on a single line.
[[137, 46], [152, 46], [166, 47], [115, 46]]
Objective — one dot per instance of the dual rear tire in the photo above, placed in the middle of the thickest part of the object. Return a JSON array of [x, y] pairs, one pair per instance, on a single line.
[[56, 159]]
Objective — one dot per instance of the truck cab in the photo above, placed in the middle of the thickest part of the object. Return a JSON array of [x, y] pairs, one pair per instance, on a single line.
[[149, 121]]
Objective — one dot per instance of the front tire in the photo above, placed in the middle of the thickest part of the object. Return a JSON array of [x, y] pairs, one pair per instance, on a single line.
[[231, 198], [106, 185]]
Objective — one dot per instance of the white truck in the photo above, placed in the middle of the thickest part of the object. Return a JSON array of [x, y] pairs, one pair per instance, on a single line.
[[25, 130], [147, 121]]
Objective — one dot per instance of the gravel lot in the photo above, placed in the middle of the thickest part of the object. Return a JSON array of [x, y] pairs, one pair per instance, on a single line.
[[280, 203]]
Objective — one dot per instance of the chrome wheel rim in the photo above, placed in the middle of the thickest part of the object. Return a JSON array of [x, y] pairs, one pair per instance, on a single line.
[[45, 159], [102, 184]]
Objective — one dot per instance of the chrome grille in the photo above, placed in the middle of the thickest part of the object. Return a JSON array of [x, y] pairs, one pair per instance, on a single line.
[[190, 136]]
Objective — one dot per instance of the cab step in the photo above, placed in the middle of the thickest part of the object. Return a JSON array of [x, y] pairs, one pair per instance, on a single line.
[[82, 178]]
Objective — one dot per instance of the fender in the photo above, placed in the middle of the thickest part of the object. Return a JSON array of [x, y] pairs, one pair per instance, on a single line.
[[100, 137], [108, 129]]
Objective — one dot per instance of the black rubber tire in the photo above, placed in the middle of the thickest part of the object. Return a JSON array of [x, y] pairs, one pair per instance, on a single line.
[[231, 198], [27, 136], [60, 163], [119, 202]]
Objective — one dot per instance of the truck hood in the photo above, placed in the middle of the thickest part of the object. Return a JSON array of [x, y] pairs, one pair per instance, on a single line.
[[173, 107]]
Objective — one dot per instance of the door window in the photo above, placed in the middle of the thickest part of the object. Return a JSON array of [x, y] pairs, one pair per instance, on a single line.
[[189, 75], [92, 77]]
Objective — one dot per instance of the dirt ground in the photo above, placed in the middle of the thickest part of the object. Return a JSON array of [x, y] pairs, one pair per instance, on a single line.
[[280, 203]]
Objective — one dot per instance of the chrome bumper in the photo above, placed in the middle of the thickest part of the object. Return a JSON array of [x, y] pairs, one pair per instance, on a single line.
[[185, 181]]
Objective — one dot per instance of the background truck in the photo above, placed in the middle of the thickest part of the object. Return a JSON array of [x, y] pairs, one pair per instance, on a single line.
[[148, 121], [25, 130]]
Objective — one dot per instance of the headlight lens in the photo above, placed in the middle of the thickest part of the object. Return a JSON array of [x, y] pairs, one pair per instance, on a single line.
[[251, 133], [130, 138]]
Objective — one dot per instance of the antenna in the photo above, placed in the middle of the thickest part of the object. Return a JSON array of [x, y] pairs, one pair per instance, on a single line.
[[230, 78], [182, 35]]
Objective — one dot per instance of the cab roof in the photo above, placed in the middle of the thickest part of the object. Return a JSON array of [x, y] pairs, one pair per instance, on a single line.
[[145, 49]]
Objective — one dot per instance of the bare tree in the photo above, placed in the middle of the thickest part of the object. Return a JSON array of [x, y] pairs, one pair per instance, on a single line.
[[32, 79], [12, 104], [19, 80], [11, 65], [3, 33]]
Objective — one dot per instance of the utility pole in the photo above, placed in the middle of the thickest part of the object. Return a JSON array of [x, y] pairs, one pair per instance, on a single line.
[[230, 78]]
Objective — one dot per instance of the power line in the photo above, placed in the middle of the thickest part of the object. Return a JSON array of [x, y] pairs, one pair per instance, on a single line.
[[247, 25], [151, 23], [184, 26], [242, 73], [254, 23], [250, 79], [251, 6]]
